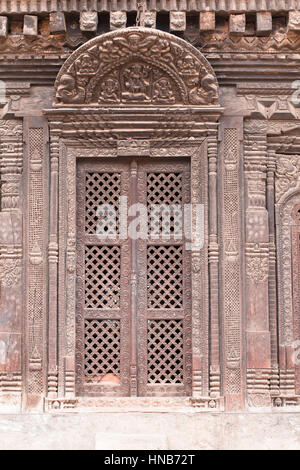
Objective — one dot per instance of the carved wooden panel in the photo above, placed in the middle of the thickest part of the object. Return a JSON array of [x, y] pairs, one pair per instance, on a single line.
[[136, 66], [36, 239], [231, 270]]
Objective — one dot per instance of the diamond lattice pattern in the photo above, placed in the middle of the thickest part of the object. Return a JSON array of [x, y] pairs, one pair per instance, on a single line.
[[165, 284], [102, 349], [164, 190], [102, 276], [165, 351], [102, 189]]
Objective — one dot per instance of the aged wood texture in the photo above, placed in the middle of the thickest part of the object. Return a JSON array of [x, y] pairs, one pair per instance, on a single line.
[[93, 324], [36, 259], [11, 252], [232, 260]]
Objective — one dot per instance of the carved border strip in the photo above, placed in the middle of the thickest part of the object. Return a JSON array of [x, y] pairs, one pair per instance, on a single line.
[[69, 153], [36, 257], [11, 257], [232, 262]]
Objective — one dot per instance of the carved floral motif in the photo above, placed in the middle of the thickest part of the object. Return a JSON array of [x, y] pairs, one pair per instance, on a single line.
[[10, 272], [258, 269], [136, 66], [287, 174]]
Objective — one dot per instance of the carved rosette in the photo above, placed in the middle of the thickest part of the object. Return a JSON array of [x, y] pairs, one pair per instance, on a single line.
[[136, 66]]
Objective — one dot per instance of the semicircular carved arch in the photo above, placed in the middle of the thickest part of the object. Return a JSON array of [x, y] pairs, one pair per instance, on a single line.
[[136, 66]]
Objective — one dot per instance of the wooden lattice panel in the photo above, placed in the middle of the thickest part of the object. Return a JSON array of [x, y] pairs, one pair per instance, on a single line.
[[164, 273], [102, 276], [165, 351], [164, 190], [122, 351], [101, 349], [102, 189]]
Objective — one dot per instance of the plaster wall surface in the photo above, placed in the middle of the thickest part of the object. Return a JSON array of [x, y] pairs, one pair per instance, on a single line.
[[151, 431]]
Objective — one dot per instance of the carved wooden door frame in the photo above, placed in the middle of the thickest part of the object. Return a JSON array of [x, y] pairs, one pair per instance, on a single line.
[[70, 140], [136, 92]]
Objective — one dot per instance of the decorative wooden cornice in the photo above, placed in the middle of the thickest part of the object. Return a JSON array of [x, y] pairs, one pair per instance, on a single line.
[[222, 6]]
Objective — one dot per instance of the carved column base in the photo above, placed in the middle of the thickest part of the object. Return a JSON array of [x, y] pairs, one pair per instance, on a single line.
[[215, 382], [52, 384], [274, 382], [287, 382], [258, 387], [133, 381]]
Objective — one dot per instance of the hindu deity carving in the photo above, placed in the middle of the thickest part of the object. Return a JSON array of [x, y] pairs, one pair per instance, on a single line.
[[162, 92], [109, 91], [136, 83], [136, 65]]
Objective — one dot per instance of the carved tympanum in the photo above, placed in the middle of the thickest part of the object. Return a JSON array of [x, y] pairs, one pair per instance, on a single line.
[[136, 66]]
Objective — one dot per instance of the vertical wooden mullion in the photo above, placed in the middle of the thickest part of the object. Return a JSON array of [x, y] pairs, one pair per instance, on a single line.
[[133, 279]]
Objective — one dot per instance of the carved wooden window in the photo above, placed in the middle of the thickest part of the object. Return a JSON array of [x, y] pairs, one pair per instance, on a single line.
[[133, 296]]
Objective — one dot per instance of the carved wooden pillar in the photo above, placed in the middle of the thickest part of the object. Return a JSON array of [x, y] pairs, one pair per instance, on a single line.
[[11, 298], [286, 316], [287, 197], [133, 282], [274, 380], [213, 259], [53, 264], [231, 135], [67, 272], [36, 240], [200, 385], [295, 235], [257, 272]]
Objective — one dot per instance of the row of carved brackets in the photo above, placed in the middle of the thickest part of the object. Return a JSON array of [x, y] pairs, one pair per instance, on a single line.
[[118, 19]]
